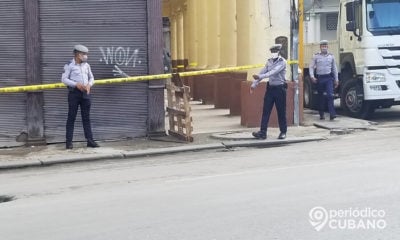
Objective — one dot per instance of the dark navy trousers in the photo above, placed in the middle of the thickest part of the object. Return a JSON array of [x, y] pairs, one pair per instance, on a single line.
[[77, 98], [325, 85], [275, 95]]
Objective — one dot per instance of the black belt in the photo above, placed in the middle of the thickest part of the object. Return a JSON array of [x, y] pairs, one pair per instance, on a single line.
[[280, 86], [276, 86], [73, 89], [325, 75]]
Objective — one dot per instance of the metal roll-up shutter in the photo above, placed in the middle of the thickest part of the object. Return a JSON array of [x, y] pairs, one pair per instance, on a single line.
[[12, 72], [115, 31]]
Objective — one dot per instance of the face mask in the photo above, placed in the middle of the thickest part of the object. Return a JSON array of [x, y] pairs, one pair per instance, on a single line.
[[324, 50], [274, 55], [83, 58]]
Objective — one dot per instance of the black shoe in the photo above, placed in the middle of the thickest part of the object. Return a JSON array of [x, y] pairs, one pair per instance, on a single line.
[[321, 115], [282, 136], [260, 135], [332, 117], [92, 144], [68, 145]]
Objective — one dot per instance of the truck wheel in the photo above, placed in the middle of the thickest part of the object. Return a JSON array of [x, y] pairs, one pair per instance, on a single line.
[[353, 102], [310, 100]]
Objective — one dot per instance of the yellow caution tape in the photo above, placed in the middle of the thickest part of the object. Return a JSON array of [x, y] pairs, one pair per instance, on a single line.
[[41, 87], [32, 88], [132, 79], [219, 70], [291, 62]]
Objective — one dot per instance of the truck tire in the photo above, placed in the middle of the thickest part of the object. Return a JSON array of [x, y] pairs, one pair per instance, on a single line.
[[309, 98], [353, 103]]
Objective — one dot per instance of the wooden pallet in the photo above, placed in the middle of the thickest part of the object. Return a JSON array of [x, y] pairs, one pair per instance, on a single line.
[[180, 121]]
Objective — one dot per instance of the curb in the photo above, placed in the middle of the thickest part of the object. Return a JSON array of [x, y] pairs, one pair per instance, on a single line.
[[171, 150], [153, 152], [272, 143], [20, 164]]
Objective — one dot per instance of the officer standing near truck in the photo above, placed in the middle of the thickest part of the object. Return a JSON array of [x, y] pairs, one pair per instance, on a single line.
[[326, 77], [275, 70]]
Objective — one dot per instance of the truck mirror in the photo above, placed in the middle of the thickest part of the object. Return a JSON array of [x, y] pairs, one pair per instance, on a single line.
[[350, 11], [350, 27]]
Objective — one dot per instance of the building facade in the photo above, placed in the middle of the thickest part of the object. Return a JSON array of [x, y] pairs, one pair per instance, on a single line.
[[223, 33], [320, 20], [124, 38], [211, 34]]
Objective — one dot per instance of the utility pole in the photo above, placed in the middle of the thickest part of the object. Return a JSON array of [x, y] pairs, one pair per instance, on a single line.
[[295, 12], [301, 42]]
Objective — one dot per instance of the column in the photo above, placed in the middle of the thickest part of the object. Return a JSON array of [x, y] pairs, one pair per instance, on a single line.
[[180, 34], [202, 20], [174, 36], [243, 31], [228, 39], [192, 41], [156, 110], [213, 29], [34, 100]]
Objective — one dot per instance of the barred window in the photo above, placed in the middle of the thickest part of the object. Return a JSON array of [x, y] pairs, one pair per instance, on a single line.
[[331, 21]]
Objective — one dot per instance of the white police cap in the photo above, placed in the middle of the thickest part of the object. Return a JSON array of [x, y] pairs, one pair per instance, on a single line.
[[81, 48], [323, 42], [276, 47]]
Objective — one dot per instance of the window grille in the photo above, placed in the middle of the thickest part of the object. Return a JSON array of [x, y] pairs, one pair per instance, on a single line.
[[331, 21]]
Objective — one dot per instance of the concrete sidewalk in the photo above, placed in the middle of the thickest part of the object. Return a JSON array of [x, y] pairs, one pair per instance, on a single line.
[[213, 129]]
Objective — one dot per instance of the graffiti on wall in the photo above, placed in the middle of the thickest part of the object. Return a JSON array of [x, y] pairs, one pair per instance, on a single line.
[[121, 58]]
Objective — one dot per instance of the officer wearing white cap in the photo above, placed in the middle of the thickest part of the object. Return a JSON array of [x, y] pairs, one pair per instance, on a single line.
[[81, 48], [79, 78], [323, 71], [275, 70]]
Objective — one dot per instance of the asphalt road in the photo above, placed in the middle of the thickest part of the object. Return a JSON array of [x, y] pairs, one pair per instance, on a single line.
[[241, 194], [387, 116]]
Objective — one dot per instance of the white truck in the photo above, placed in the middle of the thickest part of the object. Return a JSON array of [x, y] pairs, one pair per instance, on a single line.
[[367, 52]]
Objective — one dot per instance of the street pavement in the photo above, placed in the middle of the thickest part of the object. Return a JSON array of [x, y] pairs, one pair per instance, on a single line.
[[243, 193], [213, 129]]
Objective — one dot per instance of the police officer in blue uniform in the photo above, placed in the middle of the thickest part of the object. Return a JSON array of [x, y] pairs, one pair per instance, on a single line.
[[79, 78], [275, 70], [326, 78]]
